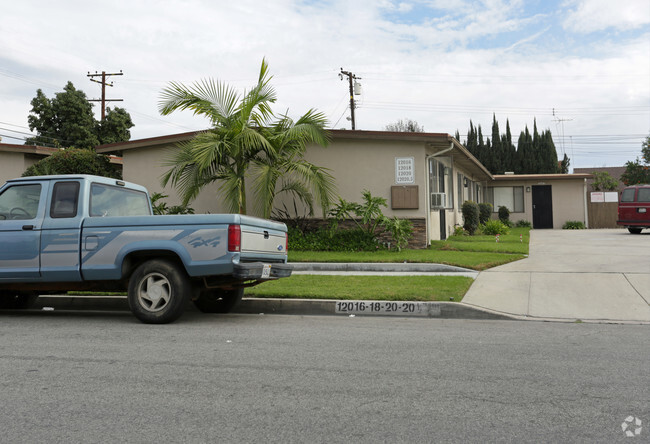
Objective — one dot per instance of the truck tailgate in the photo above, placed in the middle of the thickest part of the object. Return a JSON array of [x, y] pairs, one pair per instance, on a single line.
[[261, 240]]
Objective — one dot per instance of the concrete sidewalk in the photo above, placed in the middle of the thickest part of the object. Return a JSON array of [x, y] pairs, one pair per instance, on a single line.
[[594, 275]]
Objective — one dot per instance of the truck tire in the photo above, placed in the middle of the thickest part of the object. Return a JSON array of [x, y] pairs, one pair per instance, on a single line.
[[218, 301], [158, 292], [17, 301], [635, 230]]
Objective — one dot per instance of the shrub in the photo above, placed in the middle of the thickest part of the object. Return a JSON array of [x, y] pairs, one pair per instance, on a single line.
[[458, 231], [327, 240], [494, 227], [573, 225], [367, 216], [523, 224], [485, 211], [75, 161], [401, 230], [160, 207], [470, 216], [504, 214]]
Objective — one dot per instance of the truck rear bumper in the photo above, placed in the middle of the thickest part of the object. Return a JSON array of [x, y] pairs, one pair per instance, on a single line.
[[256, 270]]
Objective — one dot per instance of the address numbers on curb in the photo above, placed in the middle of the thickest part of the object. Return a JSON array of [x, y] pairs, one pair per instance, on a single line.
[[388, 308]]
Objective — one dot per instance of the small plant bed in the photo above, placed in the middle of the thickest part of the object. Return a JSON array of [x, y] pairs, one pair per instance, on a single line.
[[381, 288]]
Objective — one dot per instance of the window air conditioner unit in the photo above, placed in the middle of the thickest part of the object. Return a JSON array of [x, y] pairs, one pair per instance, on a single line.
[[438, 200]]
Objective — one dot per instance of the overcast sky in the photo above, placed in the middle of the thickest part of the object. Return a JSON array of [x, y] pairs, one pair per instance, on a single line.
[[580, 67]]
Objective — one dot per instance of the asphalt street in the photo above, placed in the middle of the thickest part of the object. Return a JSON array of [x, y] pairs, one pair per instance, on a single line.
[[104, 377]]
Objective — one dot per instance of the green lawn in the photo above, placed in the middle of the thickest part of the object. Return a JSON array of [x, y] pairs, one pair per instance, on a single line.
[[514, 242], [475, 252], [382, 288]]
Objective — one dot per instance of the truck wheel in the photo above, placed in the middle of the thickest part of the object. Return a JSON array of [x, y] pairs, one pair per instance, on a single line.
[[158, 291], [17, 301], [635, 230], [218, 301]]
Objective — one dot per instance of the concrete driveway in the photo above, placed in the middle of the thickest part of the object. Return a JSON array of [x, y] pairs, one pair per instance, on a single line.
[[601, 275]]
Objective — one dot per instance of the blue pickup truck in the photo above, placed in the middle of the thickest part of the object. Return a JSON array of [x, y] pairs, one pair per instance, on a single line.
[[82, 232]]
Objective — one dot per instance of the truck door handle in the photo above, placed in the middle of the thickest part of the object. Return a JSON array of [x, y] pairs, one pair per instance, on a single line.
[[28, 227], [266, 234]]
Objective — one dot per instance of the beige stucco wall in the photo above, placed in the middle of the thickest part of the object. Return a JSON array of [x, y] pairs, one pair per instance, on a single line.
[[145, 166], [567, 197], [12, 165], [370, 165]]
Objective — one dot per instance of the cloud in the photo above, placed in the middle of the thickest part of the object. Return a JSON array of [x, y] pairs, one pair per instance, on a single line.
[[420, 59], [586, 16]]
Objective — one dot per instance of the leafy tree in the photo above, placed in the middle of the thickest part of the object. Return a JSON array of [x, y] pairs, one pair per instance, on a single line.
[[603, 181], [67, 120], [405, 126], [244, 142], [639, 170], [75, 161], [115, 127]]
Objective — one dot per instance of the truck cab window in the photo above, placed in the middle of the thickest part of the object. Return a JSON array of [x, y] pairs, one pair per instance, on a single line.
[[108, 200], [20, 202], [65, 197]]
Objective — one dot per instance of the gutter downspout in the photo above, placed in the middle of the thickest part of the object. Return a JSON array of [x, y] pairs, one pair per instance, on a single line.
[[427, 198], [585, 200]]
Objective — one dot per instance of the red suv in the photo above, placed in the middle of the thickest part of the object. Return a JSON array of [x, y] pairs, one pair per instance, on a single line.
[[634, 208]]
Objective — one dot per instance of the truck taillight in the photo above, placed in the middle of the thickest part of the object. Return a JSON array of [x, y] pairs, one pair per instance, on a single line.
[[286, 243], [234, 238]]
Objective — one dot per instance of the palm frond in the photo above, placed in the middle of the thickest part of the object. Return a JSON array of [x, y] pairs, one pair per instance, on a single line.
[[300, 192], [208, 97], [318, 179]]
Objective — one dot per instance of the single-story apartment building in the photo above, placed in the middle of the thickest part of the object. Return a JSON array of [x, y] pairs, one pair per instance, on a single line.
[[425, 177], [15, 159]]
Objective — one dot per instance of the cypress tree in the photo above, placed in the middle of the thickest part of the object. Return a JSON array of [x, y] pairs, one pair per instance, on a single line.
[[510, 150], [496, 153], [535, 153], [480, 149], [471, 140]]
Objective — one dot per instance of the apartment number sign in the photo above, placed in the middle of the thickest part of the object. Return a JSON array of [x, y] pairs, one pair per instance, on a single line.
[[404, 170]]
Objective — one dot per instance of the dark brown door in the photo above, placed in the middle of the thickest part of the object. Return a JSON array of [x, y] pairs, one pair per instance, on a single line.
[[542, 206]]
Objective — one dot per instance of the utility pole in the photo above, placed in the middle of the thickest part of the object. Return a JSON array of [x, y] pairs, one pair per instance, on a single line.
[[559, 121], [102, 82], [352, 92]]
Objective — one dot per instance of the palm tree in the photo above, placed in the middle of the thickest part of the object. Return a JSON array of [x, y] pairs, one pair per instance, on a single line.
[[283, 170], [244, 142]]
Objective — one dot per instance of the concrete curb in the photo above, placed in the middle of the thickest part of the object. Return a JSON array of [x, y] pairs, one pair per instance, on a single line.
[[444, 310], [303, 307], [379, 267]]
